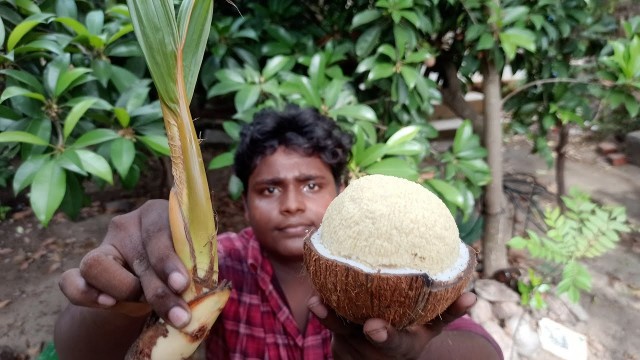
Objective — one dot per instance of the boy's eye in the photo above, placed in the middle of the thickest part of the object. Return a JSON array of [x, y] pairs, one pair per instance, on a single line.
[[269, 190], [312, 186]]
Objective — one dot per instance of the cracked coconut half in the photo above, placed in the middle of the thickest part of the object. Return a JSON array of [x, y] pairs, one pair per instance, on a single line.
[[388, 248]]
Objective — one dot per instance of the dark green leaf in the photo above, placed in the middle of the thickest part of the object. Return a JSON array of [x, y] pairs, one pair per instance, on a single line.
[[368, 41], [449, 193], [24, 27], [67, 78], [246, 97], [94, 137], [123, 116], [47, 191], [403, 135], [380, 71], [486, 42], [410, 76], [12, 91], [70, 160], [157, 143], [365, 17], [222, 160], [53, 70], [26, 171], [74, 115], [275, 65], [22, 137], [71, 205], [393, 167], [95, 165], [66, 8], [514, 14], [122, 154], [235, 187], [232, 129], [371, 154], [357, 112], [25, 78], [95, 21]]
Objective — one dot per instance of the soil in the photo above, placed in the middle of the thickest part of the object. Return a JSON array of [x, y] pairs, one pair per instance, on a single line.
[[32, 257]]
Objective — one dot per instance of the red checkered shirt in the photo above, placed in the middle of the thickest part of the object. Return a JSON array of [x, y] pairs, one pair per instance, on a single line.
[[256, 322]]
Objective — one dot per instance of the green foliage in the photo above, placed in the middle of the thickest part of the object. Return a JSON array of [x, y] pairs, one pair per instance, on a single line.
[[585, 230], [364, 65], [70, 110], [532, 291]]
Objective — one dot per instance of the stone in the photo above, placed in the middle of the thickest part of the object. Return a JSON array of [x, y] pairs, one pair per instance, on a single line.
[[524, 335], [504, 310], [576, 309], [632, 145], [617, 159], [494, 291], [501, 337], [481, 311], [607, 147]]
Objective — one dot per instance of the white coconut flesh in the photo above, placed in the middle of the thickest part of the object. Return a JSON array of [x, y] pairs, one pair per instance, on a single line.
[[385, 224]]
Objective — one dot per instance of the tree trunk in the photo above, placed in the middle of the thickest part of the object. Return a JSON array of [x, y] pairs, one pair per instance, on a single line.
[[453, 97], [560, 164], [493, 244]]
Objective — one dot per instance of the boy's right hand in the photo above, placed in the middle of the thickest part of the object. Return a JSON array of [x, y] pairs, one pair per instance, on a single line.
[[135, 262]]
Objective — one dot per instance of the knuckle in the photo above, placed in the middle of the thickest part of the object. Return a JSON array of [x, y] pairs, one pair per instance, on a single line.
[[120, 224], [159, 295]]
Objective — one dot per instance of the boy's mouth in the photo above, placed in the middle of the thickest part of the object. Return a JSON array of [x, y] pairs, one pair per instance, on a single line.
[[296, 229]]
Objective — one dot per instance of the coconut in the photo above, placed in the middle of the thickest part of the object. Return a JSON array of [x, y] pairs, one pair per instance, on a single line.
[[388, 248]]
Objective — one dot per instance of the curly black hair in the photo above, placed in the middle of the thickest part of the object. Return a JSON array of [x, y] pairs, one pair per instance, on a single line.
[[301, 129]]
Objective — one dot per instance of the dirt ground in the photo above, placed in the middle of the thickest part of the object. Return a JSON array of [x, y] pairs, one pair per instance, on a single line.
[[32, 258]]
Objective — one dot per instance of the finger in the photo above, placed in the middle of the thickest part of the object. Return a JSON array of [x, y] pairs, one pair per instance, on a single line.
[[162, 299], [80, 293], [119, 284], [332, 321], [457, 309], [156, 239], [404, 343]]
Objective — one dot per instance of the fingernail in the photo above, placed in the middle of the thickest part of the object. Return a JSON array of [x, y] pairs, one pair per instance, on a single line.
[[177, 281], [106, 300], [378, 335], [316, 306], [178, 316]]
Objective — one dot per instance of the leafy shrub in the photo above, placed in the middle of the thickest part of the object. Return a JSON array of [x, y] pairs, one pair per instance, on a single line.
[[586, 230], [74, 104]]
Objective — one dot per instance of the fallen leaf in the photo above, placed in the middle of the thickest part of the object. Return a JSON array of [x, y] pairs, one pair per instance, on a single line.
[[5, 251], [55, 266], [4, 303]]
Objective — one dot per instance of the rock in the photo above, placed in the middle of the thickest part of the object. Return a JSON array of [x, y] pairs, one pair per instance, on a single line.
[[617, 159], [607, 147], [504, 310], [525, 337], [558, 310], [632, 144], [481, 311], [575, 308], [495, 291], [501, 337]]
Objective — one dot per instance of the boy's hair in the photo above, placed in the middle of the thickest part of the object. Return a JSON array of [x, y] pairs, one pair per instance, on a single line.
[[299, 129]]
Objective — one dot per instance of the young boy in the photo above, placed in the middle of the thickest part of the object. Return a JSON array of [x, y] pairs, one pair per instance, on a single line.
[[292, 165]]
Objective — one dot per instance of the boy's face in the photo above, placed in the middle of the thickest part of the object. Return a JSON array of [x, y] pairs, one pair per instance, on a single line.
[[286, 198]]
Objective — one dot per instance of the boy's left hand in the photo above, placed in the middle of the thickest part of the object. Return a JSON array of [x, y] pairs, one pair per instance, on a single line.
[[376, 339]]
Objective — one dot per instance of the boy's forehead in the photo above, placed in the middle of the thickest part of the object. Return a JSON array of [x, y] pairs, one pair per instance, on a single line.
[[285, 163]]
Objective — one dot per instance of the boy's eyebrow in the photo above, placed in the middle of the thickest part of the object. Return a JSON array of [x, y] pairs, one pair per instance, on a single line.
[[279, 180]]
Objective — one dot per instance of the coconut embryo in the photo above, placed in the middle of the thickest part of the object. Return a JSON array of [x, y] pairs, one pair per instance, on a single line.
[[388, 248]]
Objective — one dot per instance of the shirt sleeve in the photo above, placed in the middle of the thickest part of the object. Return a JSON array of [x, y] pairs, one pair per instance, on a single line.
[[465, 323]]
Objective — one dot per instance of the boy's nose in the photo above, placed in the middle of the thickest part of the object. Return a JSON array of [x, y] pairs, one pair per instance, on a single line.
[[292, 202]]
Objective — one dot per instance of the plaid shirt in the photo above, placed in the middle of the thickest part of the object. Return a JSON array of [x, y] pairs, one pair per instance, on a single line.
[[256, 322]]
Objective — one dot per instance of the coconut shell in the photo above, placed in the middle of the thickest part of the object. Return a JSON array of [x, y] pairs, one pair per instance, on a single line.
[[400, 299]]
